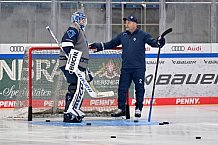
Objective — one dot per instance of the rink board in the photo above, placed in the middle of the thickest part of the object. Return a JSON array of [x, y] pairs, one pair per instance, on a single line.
[[187, 75]]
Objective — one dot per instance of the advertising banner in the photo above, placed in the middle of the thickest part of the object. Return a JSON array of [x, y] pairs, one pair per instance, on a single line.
[[187, 75]]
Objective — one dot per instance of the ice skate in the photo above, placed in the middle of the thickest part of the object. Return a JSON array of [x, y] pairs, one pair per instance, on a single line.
[[69, 118], [119, 114], [137, 114]]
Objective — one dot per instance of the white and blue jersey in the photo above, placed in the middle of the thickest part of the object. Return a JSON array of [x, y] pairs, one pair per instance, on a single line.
[[74, 38]]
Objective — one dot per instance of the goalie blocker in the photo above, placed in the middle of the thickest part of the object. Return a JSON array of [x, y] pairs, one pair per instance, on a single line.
[[73, 60]]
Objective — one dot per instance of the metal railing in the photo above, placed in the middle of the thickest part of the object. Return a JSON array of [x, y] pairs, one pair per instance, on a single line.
[[192, 21]]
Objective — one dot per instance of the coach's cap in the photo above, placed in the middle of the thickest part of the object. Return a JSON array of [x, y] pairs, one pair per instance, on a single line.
[[131, 18]]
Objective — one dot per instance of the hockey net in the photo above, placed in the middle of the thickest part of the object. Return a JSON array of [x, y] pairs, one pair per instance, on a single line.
[[42, 86]]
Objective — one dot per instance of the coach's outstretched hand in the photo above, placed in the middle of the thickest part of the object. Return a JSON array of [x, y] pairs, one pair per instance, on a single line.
[[161, 42], [97, 46]]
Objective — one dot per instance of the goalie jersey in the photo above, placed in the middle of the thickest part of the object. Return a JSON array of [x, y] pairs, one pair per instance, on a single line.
[[74, 38]]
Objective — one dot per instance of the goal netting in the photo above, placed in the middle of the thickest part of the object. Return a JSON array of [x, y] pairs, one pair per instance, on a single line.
[[42, 86]]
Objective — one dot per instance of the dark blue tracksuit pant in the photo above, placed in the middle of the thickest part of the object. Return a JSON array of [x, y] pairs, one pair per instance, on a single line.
[[126, 77]]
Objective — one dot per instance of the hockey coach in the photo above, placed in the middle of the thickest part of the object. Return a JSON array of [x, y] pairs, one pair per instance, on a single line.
[[133, 68]]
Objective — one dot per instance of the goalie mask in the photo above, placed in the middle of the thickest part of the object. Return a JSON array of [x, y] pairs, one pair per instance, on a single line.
[[80, 19]]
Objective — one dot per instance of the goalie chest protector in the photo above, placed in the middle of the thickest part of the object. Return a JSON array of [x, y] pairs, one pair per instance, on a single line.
[[81, 45]]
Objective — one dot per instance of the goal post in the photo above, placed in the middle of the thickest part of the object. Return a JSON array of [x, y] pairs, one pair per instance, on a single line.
[[30, 82], [42, 86]]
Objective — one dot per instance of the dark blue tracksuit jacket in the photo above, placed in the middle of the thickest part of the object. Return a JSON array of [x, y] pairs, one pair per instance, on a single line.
[[133, 46], [133, 63]]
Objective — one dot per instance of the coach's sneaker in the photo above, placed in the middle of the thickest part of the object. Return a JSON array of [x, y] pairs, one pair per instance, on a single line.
[[138, 113], [119, 113]]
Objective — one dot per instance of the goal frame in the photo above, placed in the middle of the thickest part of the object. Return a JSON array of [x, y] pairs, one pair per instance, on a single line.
[[30, 82]]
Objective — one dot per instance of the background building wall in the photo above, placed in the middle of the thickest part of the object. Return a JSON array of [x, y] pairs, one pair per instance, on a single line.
[[192, 21]]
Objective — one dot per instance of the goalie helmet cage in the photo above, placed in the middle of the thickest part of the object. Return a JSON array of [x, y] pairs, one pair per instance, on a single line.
[[42, 86]]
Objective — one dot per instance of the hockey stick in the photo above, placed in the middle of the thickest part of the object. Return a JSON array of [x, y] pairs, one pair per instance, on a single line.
[[166, 32], [101, 94], [155, 75], [83, 80]]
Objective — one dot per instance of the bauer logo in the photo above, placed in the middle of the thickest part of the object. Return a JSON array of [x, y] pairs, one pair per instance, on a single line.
[[178, 48], [16, 48]]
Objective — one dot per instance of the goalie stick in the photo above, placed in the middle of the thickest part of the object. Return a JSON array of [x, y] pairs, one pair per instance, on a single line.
[[155, 75], [100, 94], [83, 80]]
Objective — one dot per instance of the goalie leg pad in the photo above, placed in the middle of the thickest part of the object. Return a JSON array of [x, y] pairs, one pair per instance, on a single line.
[[69, 96], [78, 96], [82, 114], [76, 102], [68, 99]]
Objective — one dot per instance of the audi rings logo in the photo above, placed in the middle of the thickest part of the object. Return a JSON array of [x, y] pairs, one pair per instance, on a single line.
[[16, 48], [178, 48]]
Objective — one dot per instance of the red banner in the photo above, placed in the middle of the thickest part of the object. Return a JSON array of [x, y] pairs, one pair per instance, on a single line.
[[113, 102]]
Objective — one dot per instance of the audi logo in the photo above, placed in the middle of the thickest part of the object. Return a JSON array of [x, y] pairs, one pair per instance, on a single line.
[[16, 48], [178, 48]]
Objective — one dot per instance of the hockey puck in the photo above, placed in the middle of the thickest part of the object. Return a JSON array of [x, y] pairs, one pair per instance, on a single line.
[[198, 137], [161, 123], [88, 124], [166, 122], [113, 136], [47, 120], [136, 121]]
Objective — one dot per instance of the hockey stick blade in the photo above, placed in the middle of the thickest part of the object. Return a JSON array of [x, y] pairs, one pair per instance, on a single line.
[[105, 94], [166, 32]]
